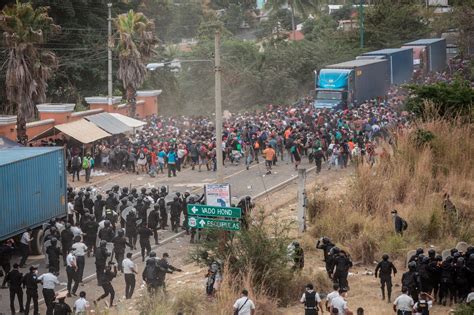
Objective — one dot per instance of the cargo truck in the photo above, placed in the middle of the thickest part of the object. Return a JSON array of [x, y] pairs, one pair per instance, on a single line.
[[350, 83], [400, 63], [32, 191], [429, 55]]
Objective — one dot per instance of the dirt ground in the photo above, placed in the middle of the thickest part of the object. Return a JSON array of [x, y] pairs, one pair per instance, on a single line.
[[364, 291]]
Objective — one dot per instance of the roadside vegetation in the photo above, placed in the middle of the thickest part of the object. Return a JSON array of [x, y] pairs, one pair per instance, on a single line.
[[412, 175]]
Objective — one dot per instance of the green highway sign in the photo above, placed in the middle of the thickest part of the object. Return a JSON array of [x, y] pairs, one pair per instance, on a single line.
[[205, 223], [213, 211]]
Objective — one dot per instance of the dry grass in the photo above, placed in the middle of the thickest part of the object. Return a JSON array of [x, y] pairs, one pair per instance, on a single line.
[[413, 180]]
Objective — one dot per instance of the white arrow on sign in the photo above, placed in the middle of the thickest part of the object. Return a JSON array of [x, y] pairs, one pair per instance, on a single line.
[[202, 222], [194, 209]]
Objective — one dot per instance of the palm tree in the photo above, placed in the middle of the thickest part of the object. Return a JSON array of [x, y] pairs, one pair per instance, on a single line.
[[29, 66], [303, 7], [135, 46]]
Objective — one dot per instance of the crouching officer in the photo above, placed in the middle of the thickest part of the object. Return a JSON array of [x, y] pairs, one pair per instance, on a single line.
[[311, 301], [384, 270]]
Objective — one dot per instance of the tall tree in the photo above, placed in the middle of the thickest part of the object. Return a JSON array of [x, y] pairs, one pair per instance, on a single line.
[[29, 66], [135, 46]]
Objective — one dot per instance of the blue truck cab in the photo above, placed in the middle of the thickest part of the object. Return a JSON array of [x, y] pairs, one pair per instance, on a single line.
[[351, 83], [331, 88]]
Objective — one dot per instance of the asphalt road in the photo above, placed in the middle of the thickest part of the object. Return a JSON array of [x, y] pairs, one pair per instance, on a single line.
[[253, 182]]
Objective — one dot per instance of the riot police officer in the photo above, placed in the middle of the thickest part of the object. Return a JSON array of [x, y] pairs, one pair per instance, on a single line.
[[411, 280], [101, 255], [340, 269], [88, 202], [79, 205], [131, 228], [99, 205], [107, 233], [53, 253], [67, 238], [153, 221], [163, 213], [111, 202], [120, 242], [144, 236], [175, 210], [384, 269], [90, 230]]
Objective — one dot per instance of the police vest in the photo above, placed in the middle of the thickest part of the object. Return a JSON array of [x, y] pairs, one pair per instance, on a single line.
[[310, 300], [423, 307]]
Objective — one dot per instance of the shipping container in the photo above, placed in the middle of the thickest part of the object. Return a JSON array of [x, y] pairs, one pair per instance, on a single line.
[[400, 63], [429, 55], [32, 189]]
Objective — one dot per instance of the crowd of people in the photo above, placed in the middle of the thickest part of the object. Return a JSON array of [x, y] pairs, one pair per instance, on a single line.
[[279, 134]]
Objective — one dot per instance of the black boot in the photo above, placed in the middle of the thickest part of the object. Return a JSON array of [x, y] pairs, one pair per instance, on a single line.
[[383, 293]]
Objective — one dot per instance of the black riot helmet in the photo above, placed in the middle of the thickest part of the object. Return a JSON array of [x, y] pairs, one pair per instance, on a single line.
[[139, 200], [87, 194], [248, 198], [121, 232], [412, 266], [99, 197], [130, 197], [125, 190], [385, 257], [431, 253], [449, 259], [103, 243], [156, 207], [111, 194], [134, 190], [419, 251], [152, 254], [106, 223], [335, 250], [163, 189], [116, 188], [153, 190], [143, 190], [175, 198], [54, 241], [124, 201]]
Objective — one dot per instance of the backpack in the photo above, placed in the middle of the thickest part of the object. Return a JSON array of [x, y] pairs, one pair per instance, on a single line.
[[404, 224], [85, 163], [151, 270], [75, 162]]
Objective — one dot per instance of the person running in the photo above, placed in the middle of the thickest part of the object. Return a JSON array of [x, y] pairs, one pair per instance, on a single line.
[[106, 284], [129, 270]]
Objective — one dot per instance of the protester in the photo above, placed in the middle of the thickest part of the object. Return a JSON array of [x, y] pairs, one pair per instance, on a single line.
[[129, 270], [403, 304], [81, 305]]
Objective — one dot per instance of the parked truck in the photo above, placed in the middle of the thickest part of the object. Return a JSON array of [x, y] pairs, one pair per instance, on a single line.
[[400, 63], [429, 54], [32, 191], [350, 83]]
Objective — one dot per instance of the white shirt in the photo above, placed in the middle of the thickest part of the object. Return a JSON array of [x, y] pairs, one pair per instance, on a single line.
[[404, 303], [71, 260], [81, 305], [331, 296], [430, 305], [127, 265], [339, 303], [79, 249], [49, 280], [316, 297], [25, 238], [245, 309], [470, 297], [76, 231], [70, 208]]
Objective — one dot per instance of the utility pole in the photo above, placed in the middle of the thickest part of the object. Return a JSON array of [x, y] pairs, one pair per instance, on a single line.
[[361, 21], [293, 26], [217, 70], [109, 53]]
